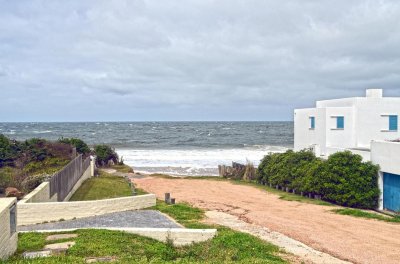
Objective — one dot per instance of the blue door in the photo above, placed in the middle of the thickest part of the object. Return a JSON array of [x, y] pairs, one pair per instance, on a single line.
[[391, 191]]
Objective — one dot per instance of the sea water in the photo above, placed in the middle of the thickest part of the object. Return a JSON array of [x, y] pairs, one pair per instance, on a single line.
[[179, 148]]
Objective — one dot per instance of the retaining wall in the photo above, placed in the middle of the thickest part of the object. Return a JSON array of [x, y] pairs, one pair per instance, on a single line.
[[178, 236], [8, 239], [41, 194], [35, 213]]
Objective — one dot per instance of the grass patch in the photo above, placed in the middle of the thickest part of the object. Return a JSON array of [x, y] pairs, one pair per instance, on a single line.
[[103, 187], [183, 213], [122, 168], [367, 215], [227, 247]]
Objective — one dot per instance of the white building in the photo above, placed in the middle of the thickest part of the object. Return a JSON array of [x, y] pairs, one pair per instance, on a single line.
[[363, 125]]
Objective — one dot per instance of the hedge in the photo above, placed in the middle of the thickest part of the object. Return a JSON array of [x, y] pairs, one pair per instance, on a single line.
[[343, 178]]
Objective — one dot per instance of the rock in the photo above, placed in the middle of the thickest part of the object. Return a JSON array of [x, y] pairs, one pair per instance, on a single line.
[[59, 247], [37, 254], [14, 192], [61, 236], [100, 259]]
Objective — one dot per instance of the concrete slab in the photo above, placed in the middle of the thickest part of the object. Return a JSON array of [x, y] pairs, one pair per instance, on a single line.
[[61, 236], [37, 254], [59, 247]]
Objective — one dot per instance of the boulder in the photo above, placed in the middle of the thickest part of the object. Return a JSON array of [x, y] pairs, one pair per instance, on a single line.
[[14, 192]]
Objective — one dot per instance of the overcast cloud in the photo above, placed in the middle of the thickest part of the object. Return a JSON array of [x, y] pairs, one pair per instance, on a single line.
[[191, 59]]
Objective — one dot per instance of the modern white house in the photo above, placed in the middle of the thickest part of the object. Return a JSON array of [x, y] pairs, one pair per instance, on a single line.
[[367, 126]]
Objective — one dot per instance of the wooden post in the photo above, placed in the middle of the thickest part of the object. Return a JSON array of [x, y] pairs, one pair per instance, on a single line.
[[167, 198]]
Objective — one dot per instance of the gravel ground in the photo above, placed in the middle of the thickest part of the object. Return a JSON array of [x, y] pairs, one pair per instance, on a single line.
[[141, 218], [345, 237]]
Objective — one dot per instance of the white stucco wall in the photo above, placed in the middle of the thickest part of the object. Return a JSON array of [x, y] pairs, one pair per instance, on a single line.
[[387, 156], [304, 137], [8, 241], [371, 123], [365, 118]]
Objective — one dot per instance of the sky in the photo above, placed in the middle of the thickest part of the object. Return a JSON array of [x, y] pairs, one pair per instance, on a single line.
[[191, 60]]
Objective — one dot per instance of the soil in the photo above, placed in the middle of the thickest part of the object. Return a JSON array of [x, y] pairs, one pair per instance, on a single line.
[[345, 237]]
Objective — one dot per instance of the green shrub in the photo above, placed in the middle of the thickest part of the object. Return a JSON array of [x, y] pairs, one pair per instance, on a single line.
[[104, 154], [8, 151], [342, 179], [348, 181], [80, 145]]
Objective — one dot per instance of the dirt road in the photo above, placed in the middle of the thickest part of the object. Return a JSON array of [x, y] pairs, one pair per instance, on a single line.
[[348, 238]]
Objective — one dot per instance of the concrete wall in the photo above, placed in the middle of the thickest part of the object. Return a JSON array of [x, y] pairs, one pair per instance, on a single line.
[[35, 213], [178, 236], [8, 241], [40, 194], [387, 156]]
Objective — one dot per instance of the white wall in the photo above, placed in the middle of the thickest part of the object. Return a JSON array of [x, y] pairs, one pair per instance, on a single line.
[[387, 156], [304, 137], [36, 213], [40, 194], [341, 138], [366, 119], [8, 242], [371, 125]]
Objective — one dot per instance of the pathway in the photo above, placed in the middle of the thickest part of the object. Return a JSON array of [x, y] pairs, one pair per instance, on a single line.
[[345, 237], [139, 219]]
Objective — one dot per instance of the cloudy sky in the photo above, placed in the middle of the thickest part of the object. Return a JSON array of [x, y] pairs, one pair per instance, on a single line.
[[191, 59]]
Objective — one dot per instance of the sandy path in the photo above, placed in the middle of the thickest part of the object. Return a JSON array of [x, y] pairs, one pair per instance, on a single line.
[[348, 238]]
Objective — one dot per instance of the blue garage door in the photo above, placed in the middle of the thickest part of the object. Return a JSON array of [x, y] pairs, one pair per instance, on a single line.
[[391, 191]]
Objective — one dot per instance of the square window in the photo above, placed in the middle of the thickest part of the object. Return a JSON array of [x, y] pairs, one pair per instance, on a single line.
[[312, 122], [340, 122], [393, 123]]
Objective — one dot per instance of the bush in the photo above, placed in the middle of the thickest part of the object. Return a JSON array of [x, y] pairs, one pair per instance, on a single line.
[[8, 151], [342, 179], [104, 154], [348, 181], [80, 145]]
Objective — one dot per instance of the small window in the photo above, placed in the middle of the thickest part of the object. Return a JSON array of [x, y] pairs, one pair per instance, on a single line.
[[340, 122], [13, 220], [312, 122], [393, 122]]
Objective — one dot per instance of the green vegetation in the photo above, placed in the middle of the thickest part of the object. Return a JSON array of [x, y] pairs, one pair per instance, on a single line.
[[342, 179], [229, 246], [79, 144], [183, 213], [103, 187], [367, 215], [122, 168], [104, 154], [26, 164]]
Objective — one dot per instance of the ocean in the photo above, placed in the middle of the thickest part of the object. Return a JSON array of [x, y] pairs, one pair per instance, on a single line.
[[178, 148]]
